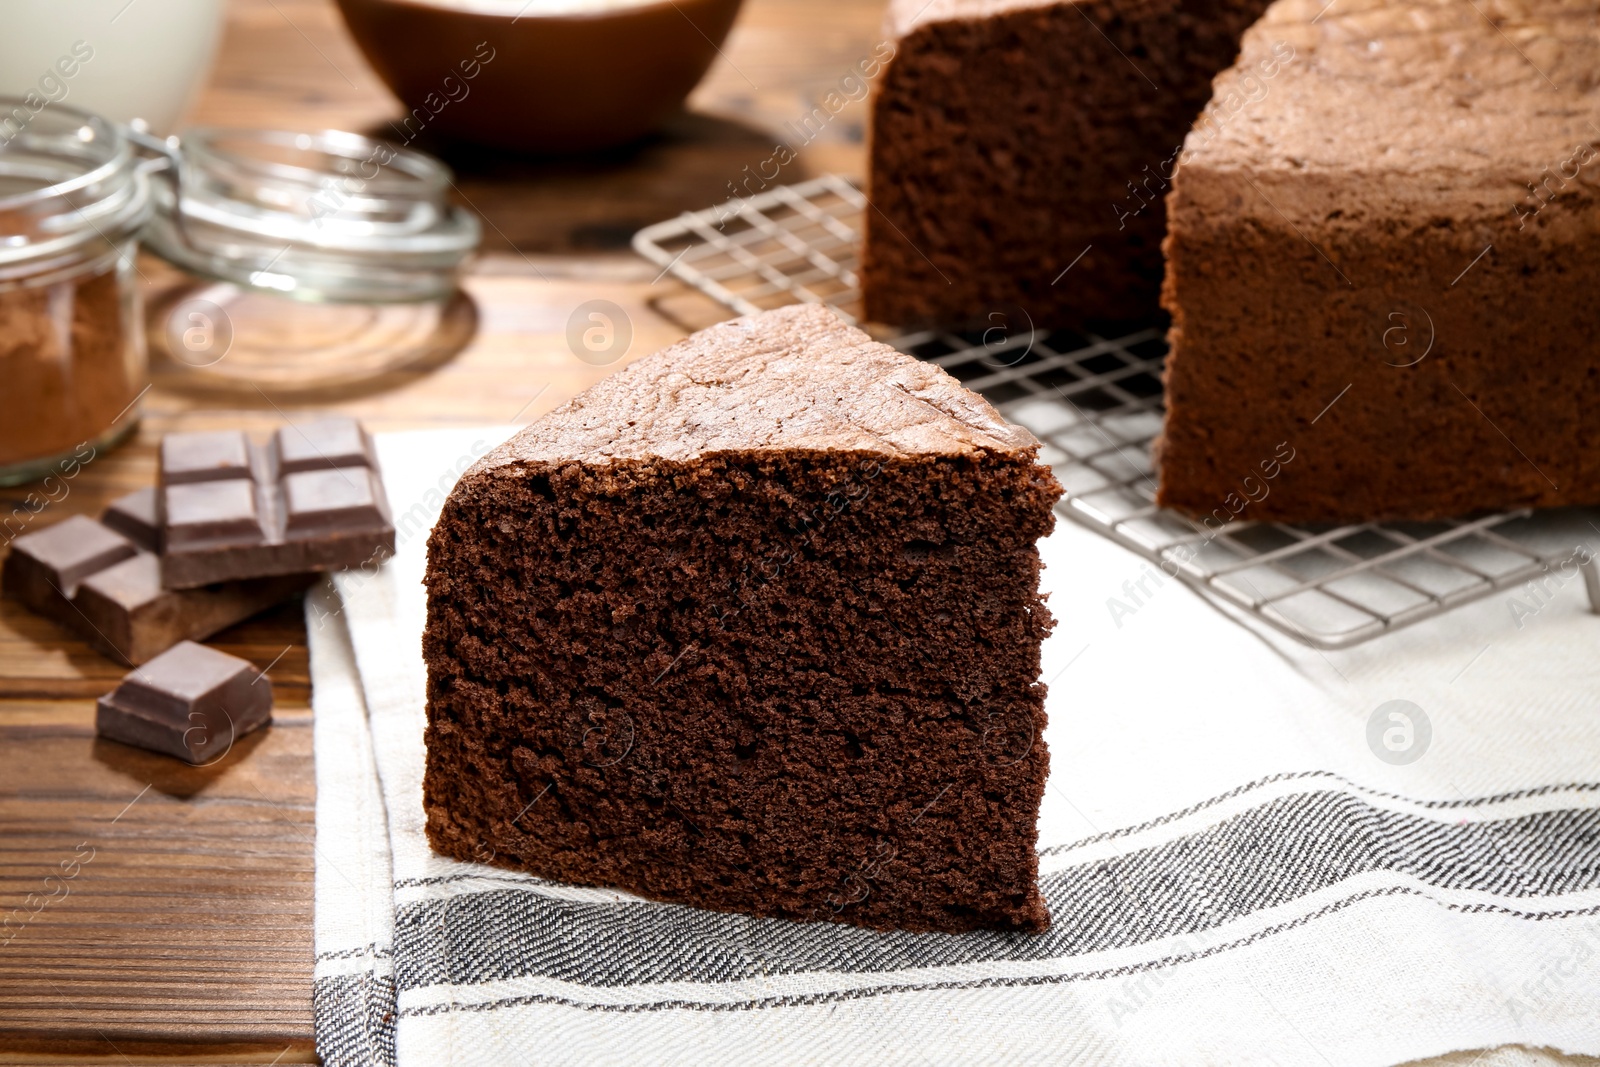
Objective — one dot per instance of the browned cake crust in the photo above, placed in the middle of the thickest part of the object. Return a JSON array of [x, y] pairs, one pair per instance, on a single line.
[[754, 625], [1008, 136], [1405, 228]]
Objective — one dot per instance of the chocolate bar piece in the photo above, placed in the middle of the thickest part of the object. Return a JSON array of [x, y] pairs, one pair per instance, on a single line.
[[191, 701], [46, 567], [92, 579], [136, 517], [309, 500]]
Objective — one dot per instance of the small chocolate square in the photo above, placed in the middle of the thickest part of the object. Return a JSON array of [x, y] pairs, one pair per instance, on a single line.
[[342, 499], [203, 457], [191, 702], [128, 585], [135, 517], [321, 445], [211, 511], [177, 679]]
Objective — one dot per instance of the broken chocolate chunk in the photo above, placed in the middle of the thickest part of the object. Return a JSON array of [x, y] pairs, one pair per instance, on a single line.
[[137, 518], [92, 579], [45, 566]]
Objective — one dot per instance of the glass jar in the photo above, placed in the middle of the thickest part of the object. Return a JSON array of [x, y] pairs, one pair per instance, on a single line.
[[304, 262], [311, 260], [73, 197]]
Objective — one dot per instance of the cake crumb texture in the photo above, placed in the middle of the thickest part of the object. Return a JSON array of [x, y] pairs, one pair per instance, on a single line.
[[751, 625], [1021, 152], [1386, 266]]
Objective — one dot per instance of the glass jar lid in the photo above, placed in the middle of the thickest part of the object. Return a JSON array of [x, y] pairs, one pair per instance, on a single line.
[[330, 216], [71, 190]]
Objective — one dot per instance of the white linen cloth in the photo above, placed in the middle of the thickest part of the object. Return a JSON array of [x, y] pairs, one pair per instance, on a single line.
[[1235, 875]]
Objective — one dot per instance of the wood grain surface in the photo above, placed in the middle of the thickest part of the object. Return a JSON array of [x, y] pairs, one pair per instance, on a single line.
[[160, 913]]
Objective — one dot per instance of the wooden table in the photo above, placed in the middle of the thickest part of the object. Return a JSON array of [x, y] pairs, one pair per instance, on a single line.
[[185, 934]]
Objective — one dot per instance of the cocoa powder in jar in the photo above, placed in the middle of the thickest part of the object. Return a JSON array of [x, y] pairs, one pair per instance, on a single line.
[[70, 363]]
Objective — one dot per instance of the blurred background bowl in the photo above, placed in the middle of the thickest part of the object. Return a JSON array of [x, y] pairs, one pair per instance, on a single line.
[[539, 76]]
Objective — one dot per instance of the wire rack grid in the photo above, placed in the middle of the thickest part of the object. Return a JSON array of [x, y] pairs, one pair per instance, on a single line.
[[1096, 405]]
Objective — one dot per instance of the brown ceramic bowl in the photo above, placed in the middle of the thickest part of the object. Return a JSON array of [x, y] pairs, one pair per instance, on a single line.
[[544, 81]]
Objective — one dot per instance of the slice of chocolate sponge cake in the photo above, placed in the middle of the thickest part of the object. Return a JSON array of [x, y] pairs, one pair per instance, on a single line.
[[1022, 150], [753, 624], [1387, 266]]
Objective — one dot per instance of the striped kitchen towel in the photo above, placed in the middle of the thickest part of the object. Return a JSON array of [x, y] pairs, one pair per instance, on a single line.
[[1253, 853]]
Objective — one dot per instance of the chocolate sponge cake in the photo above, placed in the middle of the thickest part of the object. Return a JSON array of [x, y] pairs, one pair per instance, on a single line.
[[1012, 137], [1388, 265], [754, 625]]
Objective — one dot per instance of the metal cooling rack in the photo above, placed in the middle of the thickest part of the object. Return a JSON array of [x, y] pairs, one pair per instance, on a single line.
[[1096, 404]]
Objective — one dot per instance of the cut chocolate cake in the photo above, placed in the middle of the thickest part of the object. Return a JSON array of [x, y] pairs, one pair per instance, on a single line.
[[1387, 268], [1021, 150], [754, 625]]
